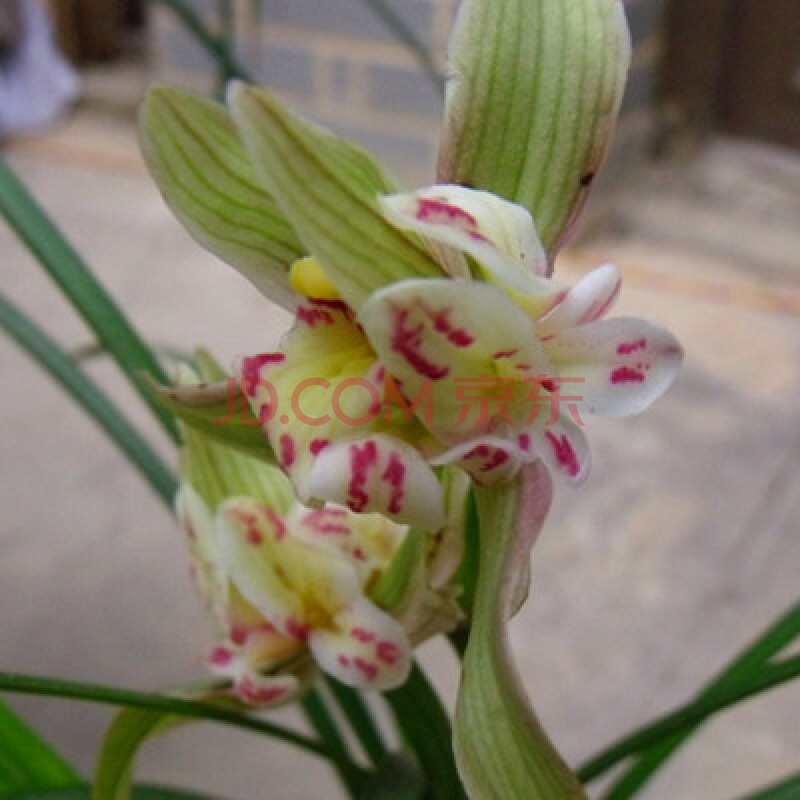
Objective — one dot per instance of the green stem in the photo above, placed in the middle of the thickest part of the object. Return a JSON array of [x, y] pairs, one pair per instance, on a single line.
[[68, 270], [778, 636], [690, 715], [425, 727], [324, 724], [360, 719], [128, 698], [501, 748], [89, 397], [216, 46]]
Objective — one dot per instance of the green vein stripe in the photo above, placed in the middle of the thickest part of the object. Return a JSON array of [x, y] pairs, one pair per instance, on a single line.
[[537, 86], [204, 172], [328, 190]]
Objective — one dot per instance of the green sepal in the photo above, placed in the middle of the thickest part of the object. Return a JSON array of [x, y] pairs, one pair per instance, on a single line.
[[200, 164], [532, 101], [501, 750], [221, 412], [328, 189]]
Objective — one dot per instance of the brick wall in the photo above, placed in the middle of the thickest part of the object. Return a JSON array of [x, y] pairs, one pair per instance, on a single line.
[[337, 61]]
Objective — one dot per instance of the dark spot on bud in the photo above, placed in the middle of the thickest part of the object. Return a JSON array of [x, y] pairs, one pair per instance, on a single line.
[[587, 179]]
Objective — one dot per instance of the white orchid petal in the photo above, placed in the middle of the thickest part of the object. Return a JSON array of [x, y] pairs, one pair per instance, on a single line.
[[488, 459], [447, 340], [366, 648], [380, 473], [499, 235], [207, 571], [618, 367], [590, 299], [563, 447], [322, 386], [249, 533]]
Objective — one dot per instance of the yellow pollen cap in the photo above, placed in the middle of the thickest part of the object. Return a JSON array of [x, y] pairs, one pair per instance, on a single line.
[[307, 277]]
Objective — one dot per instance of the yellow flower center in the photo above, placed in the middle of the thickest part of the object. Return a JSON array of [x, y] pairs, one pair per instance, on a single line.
[[307, 277]]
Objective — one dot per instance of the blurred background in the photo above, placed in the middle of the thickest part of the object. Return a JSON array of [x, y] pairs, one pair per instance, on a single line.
[[683, 544]]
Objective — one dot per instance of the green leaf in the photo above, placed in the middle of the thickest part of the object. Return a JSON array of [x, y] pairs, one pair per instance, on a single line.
[[397, 779], [533, 97], [425, 727], [501, 750], [748, 664], [27, 762], [127, 733], [360, 718], [788, 789], [200, 164], [323, 723], [81, 288], [689, 716], [139, 793], [221, 412], [90, 397], [165, 703], [328, 190]]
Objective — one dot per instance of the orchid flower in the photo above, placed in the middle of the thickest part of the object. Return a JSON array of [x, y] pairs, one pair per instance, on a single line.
[[429, 331], [460, 354], [486, 354], [283, 582]]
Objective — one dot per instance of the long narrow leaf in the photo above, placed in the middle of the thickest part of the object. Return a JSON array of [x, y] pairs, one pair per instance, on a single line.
[[398, 779], [127, 698], [323, 723], [425, 726], [788, 789], [690, 715], [73, 277], [776, 638], [89, 397], [27, 762], [360, 719]]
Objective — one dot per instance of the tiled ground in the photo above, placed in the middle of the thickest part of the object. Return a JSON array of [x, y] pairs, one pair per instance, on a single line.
[[682, 545]]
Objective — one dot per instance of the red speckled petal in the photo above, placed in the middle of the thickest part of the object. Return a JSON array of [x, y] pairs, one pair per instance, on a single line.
[[380, 473], [563, 447], [499, 235], [590, 299], [365, 648], [440, 339], [617, 367]]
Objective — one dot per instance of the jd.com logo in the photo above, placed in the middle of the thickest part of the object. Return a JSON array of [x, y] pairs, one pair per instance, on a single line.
[[490, 396]]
